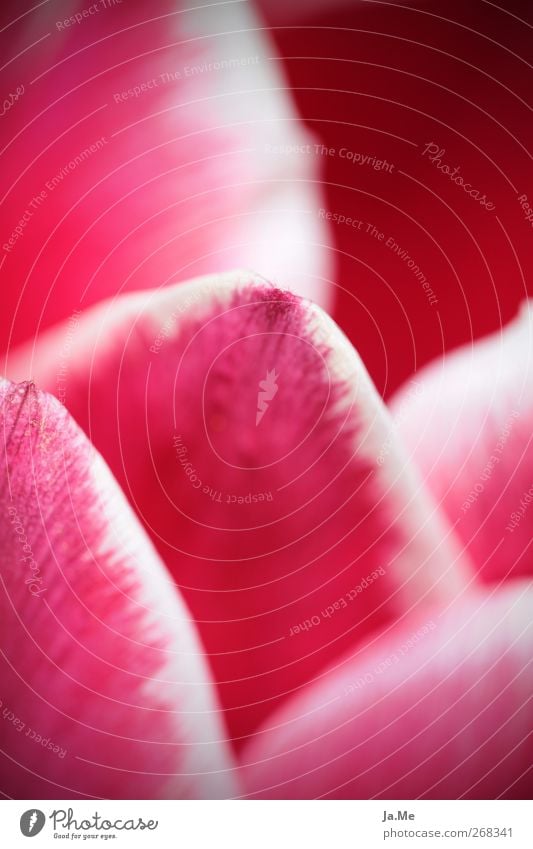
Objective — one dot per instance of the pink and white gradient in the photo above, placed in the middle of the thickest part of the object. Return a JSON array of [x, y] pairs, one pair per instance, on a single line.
[[332, 600]]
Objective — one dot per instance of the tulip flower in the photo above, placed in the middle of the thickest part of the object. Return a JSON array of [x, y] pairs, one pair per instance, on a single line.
[[287, 596], [229, 569]]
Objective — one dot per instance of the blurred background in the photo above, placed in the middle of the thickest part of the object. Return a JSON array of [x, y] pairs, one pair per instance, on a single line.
[[420, 123], [386, 79]]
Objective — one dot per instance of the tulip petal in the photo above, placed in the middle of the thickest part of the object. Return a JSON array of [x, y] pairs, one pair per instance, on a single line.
[[468, 426], [440, 706], [149, 145], [104, 689], [245, 430]]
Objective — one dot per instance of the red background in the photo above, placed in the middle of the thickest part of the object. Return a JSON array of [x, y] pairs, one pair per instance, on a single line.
[[376, 78], [372, 78]]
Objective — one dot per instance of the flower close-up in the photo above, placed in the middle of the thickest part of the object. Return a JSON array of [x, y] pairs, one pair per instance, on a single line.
[[266, 403]]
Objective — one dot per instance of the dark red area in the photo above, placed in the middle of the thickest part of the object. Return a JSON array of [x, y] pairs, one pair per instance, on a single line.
[[379, 79]]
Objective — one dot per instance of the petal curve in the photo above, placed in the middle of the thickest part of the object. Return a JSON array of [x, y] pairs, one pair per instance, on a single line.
[[246, 431], [149, 145], [441, 706], [469, 428], [104, 689]]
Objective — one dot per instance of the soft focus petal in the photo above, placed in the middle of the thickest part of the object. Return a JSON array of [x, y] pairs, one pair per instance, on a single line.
[[245, 430], [104, 690], [438, 707], [468, 425], [150, 144]]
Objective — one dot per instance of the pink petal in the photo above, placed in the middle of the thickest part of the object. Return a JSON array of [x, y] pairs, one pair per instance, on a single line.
[[104, 690], [160, 142], [440, 706], [292, 534], [468, 425]]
